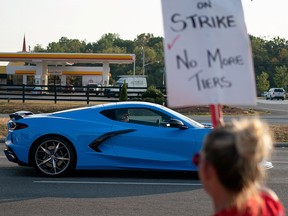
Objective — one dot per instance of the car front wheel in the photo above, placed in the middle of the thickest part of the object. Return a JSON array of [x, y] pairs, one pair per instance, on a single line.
[[53, 156]]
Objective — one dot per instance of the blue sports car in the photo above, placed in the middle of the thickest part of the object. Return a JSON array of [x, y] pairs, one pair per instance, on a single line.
[[112, 136]]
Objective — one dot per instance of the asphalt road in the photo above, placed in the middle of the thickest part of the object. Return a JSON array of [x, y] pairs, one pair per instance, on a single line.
[[123, 193], [276, 107], [115, 193], [270, 119], [277, 112]]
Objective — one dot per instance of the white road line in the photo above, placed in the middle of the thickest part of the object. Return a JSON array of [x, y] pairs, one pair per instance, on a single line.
[[117, 183], [280, 162]]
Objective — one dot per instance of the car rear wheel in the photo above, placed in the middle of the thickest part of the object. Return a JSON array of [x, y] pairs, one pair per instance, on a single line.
[[53, 156]]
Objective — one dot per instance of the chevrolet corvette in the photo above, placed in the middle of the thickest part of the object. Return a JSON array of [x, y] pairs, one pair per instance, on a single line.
[[111, 136]]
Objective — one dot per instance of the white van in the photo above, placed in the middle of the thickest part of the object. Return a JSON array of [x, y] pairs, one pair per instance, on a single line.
[[135, 86]]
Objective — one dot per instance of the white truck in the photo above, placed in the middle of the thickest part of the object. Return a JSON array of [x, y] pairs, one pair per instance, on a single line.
[[135, 86]]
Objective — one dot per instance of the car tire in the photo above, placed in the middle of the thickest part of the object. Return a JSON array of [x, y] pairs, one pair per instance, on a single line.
[[53, 157]]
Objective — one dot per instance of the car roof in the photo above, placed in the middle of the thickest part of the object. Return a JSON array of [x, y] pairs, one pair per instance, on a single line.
[[125, 104], [111, 105]]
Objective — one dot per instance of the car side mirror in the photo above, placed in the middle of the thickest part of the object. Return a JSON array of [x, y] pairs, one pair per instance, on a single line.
[[177, 123]]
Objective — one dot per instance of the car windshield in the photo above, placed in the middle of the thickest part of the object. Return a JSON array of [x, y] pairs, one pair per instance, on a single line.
[[279, 90]]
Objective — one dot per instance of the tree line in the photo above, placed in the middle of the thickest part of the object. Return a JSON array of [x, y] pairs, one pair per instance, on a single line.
[[270, 62], [270, 57]]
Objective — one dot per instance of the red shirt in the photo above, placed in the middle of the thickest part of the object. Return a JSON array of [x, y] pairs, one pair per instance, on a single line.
[[267, 207]]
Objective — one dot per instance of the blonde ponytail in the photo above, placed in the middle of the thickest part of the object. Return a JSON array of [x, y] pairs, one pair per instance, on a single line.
[[253, 139]]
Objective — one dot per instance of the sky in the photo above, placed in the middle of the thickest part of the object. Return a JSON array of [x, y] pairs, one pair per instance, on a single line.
[[46, 21]]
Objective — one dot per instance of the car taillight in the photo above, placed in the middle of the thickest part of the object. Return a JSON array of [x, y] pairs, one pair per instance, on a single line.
[[17, 126]]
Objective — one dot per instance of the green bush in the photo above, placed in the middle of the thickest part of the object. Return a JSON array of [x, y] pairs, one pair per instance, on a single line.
[[123, 96], [153, 95]]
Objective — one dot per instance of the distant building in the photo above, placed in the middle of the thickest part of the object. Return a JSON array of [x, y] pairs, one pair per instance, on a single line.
[[58, 68]]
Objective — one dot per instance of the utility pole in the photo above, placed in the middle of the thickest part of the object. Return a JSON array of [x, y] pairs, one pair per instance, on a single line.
[[143, 61]]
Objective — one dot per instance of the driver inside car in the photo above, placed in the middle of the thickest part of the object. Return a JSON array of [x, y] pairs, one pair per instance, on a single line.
[[123, 115]]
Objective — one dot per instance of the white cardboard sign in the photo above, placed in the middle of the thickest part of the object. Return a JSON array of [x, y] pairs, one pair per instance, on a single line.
[[207, 53]]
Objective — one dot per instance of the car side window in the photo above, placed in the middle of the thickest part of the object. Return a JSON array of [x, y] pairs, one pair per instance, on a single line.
[[148, 117], [117, 114], [109, 114], [138, 116]]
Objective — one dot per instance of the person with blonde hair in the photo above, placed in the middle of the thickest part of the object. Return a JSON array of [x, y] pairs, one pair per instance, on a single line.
[[231, 171]]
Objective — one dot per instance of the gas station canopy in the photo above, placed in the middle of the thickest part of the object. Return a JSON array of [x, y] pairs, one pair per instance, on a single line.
[[62, 58], [41, 64]]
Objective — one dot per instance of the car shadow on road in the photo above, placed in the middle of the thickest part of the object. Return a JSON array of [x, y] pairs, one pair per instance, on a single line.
[[25, 171], [135, 174]]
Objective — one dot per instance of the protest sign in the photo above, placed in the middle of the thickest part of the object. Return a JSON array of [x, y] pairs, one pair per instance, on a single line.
[[207, 53]]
